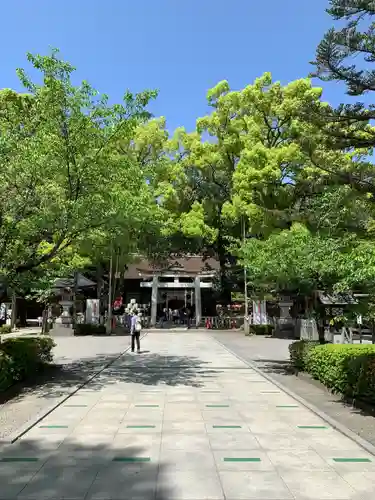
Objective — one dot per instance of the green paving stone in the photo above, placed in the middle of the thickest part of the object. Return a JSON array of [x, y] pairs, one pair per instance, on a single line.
[[287, 406], [241, 459], [312, 427], [351, 460], [227, 426], [19, 459], [53, 426], [147, 406], [211, 392], [131, 460], [270, 392], [141, 426], [217, 406]]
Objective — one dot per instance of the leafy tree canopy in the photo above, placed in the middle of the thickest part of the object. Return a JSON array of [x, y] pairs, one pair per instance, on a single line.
[[63, 181]]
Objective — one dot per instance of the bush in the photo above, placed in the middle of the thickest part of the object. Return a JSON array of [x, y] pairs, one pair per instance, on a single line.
[[89, 329], [261, 329], [345, 368], [21, 357], [6, 371], [5, 329], [298, 352]]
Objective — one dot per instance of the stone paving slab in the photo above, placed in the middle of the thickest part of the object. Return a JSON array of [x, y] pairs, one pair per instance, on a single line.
[[80, 358], [272, 357], [184, 421]]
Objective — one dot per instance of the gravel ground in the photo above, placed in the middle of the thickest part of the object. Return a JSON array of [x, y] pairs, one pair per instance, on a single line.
[[271, 356], [78, 359]]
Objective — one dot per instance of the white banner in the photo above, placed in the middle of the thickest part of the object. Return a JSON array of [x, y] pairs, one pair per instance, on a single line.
[[92, 311], [259, 312]]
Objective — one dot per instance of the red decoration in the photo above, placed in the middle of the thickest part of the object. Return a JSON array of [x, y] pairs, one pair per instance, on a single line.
[[117, 303]]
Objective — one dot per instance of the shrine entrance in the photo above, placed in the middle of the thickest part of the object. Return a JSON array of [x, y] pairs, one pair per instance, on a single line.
[[175, 299]]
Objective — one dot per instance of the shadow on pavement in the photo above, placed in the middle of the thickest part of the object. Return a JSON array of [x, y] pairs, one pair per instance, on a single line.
[[282, 367], [147, 369], [56, 468]]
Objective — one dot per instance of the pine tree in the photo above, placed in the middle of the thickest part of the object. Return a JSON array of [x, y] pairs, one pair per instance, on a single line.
[[338, 59]]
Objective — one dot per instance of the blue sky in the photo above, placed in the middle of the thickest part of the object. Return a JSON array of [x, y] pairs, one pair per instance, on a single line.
[[181, 48]]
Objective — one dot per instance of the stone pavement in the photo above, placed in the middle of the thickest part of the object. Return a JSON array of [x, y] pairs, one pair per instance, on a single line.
[[271, 356], [184, 420], [79, 358]]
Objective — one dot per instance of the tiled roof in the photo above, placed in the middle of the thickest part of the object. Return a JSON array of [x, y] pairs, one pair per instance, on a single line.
[[185, 265]]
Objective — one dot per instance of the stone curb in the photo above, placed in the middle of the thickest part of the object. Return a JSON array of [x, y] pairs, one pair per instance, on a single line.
[[14, 436], [331, 421]]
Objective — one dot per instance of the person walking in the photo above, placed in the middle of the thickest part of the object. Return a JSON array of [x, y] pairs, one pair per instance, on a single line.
[[188, 317], [135, 331]]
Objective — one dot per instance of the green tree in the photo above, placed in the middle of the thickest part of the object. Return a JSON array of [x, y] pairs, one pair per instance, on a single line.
[[62, 179], [252, 166], [300, 262], [345, 55]]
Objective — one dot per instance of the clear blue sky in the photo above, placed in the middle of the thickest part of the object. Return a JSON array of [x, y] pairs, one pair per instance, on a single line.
[[181, 48]]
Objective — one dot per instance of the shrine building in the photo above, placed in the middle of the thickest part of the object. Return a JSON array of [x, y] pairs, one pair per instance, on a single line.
[[174, 284]]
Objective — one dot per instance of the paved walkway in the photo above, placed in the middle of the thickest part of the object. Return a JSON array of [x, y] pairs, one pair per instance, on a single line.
[[79, 358], [184, 420]]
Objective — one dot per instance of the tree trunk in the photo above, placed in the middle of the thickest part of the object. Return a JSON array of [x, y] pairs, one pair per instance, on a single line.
[[99, 281], [75, 290], [45, 319], [225, 292], [13, 319]]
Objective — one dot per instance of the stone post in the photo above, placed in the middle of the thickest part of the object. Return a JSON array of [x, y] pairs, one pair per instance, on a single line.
[[154, 300], [198, 301]]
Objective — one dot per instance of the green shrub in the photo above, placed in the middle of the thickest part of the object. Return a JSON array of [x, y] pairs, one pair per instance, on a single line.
[[298, 352], [23, 356], [261, 329], [5, 329], [345, 368], [89, 329], [6, 371]]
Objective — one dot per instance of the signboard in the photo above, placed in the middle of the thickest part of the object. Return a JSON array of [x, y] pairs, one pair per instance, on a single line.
[[92, 311]]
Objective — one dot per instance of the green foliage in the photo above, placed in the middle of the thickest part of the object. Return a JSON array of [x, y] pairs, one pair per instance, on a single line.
[[347, 369], [301, 261], [298, 352], [63, 178], [21, 357], [344, 55], [89, 329], [248, 166], [5, 329], [261, 329], [7, 371]]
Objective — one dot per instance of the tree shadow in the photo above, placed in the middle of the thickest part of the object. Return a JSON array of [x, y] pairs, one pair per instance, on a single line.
[[147, 369], [68, 466], [276, 366]]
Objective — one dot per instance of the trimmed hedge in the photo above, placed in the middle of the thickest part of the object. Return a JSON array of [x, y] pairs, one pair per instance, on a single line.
[[261, 329], [298, 352], [89, 329], [348, 369], [21, 357]]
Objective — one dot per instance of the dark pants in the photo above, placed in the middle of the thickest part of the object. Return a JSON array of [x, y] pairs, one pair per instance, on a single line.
[[135, 338]]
